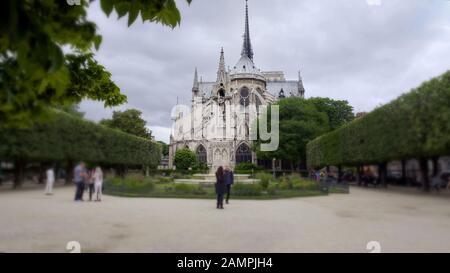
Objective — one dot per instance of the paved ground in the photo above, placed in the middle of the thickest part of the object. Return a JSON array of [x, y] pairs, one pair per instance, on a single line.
[[31, 221]]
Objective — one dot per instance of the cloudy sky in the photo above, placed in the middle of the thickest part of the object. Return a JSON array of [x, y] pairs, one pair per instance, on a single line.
[[346, 49]]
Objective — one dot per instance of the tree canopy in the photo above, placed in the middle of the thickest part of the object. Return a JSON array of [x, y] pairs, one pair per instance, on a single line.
[[302, 120], [36, 73], [73, 109], [164, 148], [185, 159], [129, 121], [339, 112]]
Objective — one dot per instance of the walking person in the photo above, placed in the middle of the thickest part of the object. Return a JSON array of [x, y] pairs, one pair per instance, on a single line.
[[317, 175], [80, 176], [98, 183], [90, 183], [436, 183], [50, 180], [220, 187], [229, 181]]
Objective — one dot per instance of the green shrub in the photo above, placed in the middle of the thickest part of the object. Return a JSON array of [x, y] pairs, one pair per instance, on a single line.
[[132, 184], [188, 189], [164, 180], [241, 189], [304, 185], [184, 159], [265, 179], [246, 168], [284, 183], [272, 189], [200, 167]]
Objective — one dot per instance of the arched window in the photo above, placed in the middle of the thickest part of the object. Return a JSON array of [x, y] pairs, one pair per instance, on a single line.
[[244, 96], [201, 154], [222, 93], [243, 154]]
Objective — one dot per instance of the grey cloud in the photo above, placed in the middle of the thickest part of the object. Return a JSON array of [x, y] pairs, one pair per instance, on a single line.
[[346, 49]]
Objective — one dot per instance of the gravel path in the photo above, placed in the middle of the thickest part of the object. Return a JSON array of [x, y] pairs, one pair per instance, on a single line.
[[31, 221]]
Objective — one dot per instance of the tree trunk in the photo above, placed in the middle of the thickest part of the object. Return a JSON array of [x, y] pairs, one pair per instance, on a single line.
[[435, 161], [69, 172], [19, 169], [424, 172], [359, 175], [382, 174], [41, 174], [121, 171], [339, 178], [403, 171]]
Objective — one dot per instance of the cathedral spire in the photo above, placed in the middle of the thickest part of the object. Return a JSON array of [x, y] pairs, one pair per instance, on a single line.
[[195, 86], [301, 88], [221, 72], [247, 46]]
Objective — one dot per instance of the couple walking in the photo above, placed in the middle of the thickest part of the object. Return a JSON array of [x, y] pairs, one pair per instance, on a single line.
[[224, 180], [93, 179]]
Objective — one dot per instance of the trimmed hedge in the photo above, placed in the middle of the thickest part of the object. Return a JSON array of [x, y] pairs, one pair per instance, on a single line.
[[415, 125], [68, 138]]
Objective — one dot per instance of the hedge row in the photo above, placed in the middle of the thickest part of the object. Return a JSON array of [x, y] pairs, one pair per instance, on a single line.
[[415, 125], [68, 138]]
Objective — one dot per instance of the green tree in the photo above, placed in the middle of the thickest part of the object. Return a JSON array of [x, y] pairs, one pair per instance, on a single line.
[[73, 109], [89, 79], [129, 121], [185, 159], [339, 112], [35, 72], [300, 122], [164, 148]]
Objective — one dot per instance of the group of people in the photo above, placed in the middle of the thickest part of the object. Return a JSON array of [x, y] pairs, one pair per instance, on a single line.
[[91, 180], [85, 179], [224, 181]]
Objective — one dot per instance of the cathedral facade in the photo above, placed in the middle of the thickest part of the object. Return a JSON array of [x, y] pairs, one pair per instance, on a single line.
[[218, 124]]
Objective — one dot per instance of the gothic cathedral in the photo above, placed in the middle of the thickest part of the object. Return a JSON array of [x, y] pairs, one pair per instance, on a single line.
[[217, 125]]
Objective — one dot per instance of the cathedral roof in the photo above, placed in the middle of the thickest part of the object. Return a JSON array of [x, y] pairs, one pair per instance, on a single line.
[[289, 87], [245, 65]]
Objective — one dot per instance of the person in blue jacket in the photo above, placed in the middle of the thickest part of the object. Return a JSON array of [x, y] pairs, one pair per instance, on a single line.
[[229, 180]]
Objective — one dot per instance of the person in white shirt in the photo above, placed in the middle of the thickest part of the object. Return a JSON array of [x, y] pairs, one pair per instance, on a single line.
[[50, 175], [98, 183]]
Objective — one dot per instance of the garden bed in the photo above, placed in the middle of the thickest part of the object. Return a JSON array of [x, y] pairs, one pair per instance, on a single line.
[[163, 187]]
